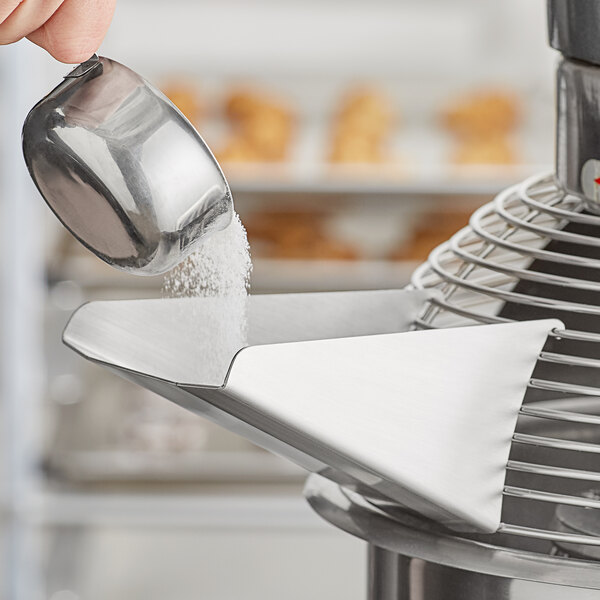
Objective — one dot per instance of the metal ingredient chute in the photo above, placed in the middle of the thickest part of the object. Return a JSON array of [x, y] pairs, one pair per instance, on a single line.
[[335, 383]]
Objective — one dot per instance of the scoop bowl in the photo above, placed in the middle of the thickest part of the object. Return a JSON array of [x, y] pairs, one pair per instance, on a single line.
[[123, 169]]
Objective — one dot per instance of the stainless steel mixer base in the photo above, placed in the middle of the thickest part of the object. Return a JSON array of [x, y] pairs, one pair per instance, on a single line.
[[396, 577], [412, 559]]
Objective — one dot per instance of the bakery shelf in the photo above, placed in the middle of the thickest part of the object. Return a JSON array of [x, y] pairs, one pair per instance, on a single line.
[[278, 510], [466, 187], [301, 275], [269, 275], [215, 467], [435, 180]]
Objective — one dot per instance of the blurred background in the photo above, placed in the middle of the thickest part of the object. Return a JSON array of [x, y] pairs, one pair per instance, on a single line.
[[356, 136]]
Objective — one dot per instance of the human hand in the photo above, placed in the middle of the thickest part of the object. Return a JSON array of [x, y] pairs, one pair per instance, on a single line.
[[70, 30]]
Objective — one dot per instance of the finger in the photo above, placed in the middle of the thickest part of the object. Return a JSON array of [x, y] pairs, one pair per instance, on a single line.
[[75, 31], [27, 17], [7, 7]]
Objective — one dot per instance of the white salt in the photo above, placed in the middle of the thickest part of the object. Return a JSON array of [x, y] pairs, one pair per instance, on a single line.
[[216, 281], [220, 267]]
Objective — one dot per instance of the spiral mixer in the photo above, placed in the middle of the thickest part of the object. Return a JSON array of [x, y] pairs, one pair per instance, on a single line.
[[533, 252]]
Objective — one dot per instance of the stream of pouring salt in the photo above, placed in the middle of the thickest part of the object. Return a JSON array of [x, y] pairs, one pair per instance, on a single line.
[[215, 279]]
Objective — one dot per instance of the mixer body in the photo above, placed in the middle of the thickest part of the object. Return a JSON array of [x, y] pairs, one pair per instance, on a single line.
[[411, 560], [393, 576], [532, 253]]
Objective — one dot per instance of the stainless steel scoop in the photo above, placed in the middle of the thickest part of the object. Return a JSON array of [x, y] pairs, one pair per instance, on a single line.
[[123, 169]]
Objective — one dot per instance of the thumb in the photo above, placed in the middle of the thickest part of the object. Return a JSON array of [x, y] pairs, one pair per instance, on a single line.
[[76, 30]]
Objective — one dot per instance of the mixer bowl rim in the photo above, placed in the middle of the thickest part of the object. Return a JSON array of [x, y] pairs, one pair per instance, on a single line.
[[354, 514]]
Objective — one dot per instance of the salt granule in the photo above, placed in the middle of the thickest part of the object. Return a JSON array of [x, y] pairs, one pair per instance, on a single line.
[[220, 267], [215, 279]]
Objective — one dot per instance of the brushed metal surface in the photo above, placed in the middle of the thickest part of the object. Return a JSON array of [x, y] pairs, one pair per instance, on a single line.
[[172, 339], [396, 577], [489, 570], [577, 128], [573, 28], [123, 169], [425, 418]]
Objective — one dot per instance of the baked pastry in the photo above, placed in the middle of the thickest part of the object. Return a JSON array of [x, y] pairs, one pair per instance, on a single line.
[[296, 235], [486, 151], [433, 229], [349, 148], [482, 124], [482, 113], [237, 149], [361, 128], [241, 104], [365, 112], [269, 133], [184, 95], [262, 126]]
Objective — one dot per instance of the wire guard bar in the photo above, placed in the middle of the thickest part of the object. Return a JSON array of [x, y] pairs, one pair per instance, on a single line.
[[534, 252]]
